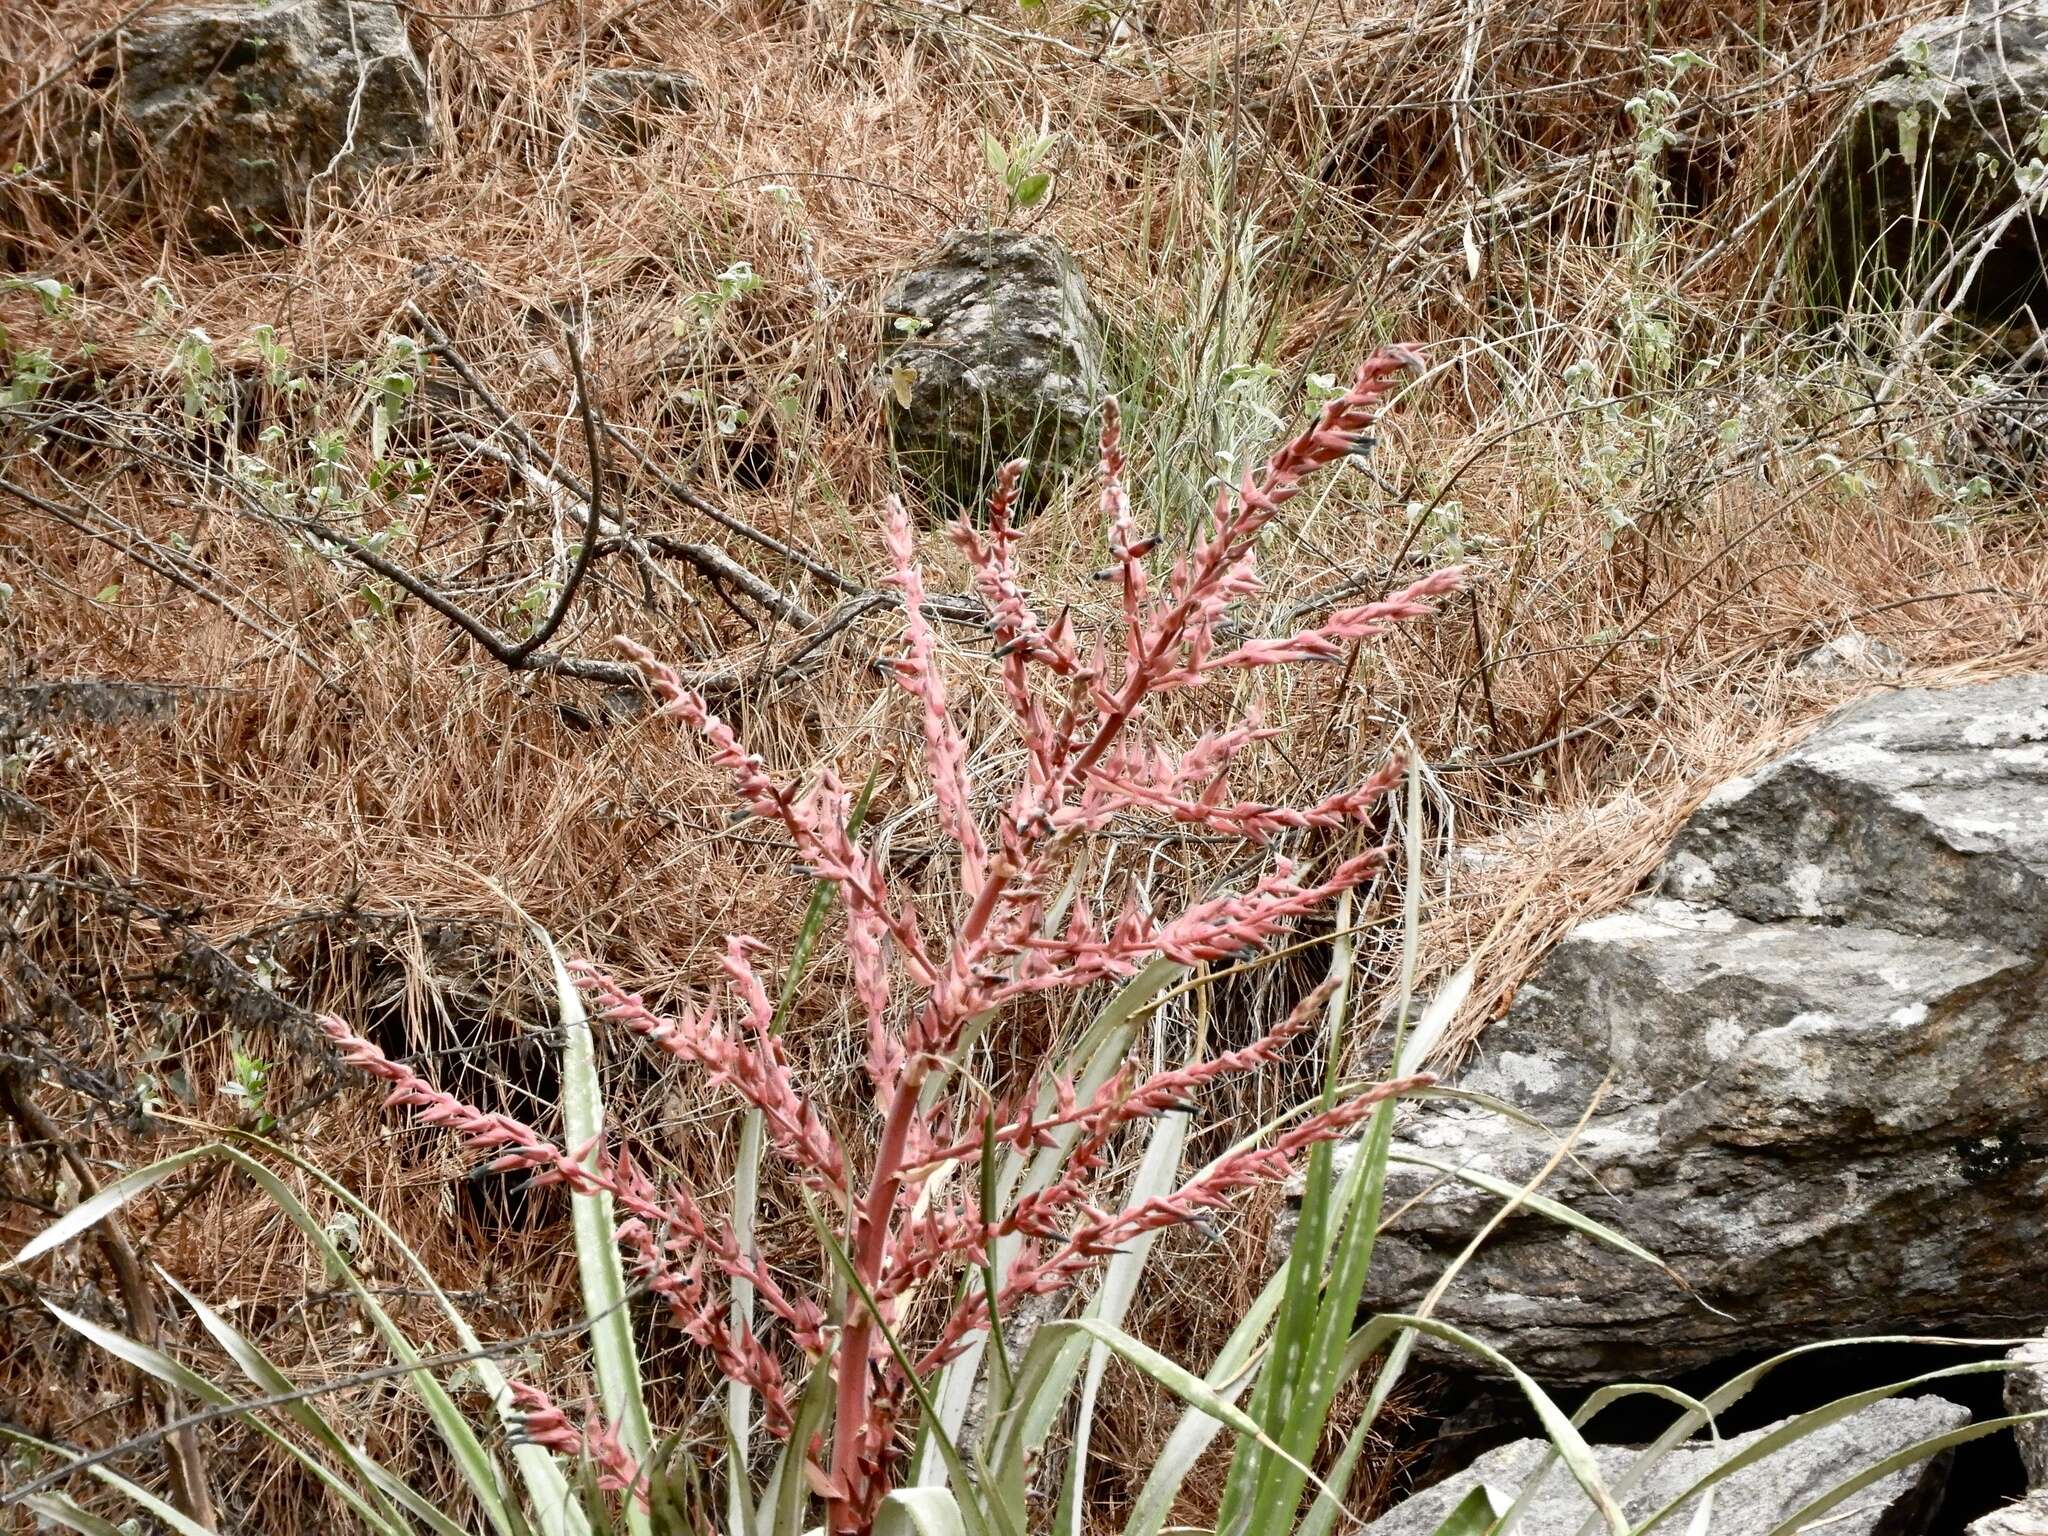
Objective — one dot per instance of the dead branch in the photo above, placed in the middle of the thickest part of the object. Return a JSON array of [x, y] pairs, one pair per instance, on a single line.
[[593, 495]]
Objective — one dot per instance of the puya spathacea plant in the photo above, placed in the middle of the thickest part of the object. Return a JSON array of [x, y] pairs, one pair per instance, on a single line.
[[927, 975], [983, 1207], [845, 1377]]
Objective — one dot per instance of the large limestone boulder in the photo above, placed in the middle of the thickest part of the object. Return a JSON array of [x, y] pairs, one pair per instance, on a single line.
[[1756, 1499], [992, 350], [241, 106], [1939, 149], [1824, 1038]]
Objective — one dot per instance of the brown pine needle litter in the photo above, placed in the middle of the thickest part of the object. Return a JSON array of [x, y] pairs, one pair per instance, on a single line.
[[1666, 486]]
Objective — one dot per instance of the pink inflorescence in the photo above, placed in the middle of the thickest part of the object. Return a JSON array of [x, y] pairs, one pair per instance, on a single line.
[[1073, 708], [542, 1422]]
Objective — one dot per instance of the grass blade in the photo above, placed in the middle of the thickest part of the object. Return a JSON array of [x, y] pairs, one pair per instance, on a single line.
[[548, 1492], [1010, 1522], [1801, 1425], [1185, 1385], [1732, 1391], [1474, 1516], [1918, 1451], [746, 1186], [161, 1366], [59, 1510], [1557, 1428], [1555, 1210], [270, 1381], [87, 1214], [613, 1355], [1097, 1052], [173, 1519]]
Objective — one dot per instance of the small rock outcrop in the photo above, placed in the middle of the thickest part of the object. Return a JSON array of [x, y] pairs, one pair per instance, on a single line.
[[2026, 1391], [992, 350], [1756, 1499], [1847, 658], [1824, 1038], [239, 108], [1940, 149], [2029, 1517], [629, 104]]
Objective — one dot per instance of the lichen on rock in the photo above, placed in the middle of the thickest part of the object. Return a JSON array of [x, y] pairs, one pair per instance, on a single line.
[[992, 350]]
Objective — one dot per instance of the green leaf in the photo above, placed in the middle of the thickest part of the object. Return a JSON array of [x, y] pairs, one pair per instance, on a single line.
[[1090, 1061], [59, 1510], [1008, 1522], [1802, 1425], [174, 1519], [1474, 1515], [1309, 1340], [1555, 1210], [1183, 1384], [1030, 190], [267, 1378], [1326, 1204], [1431, 1023], [156, 1363], [1732, 1391], [1587, 1411], [1557, 1428], [547, 1488], [1911, 1455], [1055, 1357], [926, 1511], [1229, 1374], [747, 1190], [87, 1214], [1156, 1175], [784, 1500], [613, 1356]]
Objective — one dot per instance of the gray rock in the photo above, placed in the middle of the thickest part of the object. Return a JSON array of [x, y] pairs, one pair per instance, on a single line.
[[2029, 1517], [1929, 158], [243, 106], [1824, 1041], [1747, 1503], [992, 350], [2026, 1391], [629, 104], [1847, 658]]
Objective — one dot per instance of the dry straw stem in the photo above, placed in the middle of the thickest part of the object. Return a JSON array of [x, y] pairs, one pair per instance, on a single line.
[[269, 798]]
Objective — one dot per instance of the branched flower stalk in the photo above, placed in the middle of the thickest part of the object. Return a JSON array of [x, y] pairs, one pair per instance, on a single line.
[[923, 970]]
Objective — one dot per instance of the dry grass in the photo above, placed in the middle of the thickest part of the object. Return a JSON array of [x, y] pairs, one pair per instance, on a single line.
[[1278, 185]]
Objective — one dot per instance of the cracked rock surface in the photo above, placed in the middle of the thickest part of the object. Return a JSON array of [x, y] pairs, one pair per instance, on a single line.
[[1825, 1035]]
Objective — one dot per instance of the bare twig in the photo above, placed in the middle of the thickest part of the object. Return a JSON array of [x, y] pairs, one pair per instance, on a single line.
[[84, 50], [152, 557], [594, 495]]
